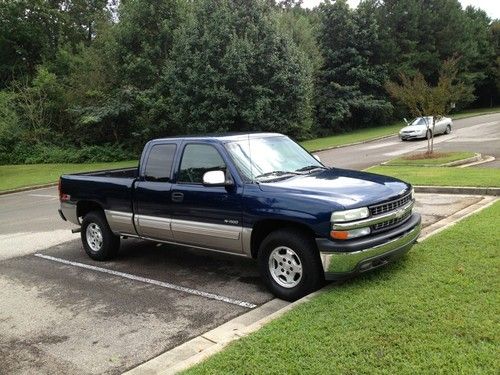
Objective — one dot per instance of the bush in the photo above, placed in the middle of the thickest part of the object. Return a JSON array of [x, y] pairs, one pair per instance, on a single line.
[[23, 153]]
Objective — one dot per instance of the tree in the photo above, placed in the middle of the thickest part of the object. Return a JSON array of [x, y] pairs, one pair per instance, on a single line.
[[350, 83], [232, 69], [424, 100]]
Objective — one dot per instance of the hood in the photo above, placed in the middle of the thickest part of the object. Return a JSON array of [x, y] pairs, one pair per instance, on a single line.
[[344, 187], [417, 128]]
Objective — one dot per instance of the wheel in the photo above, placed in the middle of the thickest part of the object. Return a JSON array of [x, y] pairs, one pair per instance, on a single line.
[[289, 264], [98, 240], [428, 135], [448, 129]]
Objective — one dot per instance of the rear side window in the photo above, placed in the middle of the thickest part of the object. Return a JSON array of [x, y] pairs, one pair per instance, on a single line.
[[198, 159], [159, 164]]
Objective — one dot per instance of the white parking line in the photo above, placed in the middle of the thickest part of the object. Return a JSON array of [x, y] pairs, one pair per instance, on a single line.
[[42, 195], [151, 281]]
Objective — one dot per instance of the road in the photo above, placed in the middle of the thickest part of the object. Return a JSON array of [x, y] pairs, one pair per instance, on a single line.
[[477, 134], [62, 313]]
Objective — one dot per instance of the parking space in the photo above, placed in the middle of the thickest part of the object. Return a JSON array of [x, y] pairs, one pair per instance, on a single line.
[[63, 313], [64, 318]]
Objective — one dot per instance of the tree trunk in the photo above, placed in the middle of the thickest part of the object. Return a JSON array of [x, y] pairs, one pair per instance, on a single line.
[[432, 134], [426, 136]]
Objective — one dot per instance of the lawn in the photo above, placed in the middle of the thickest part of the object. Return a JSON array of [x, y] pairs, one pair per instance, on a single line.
[[379, 131], [16, 176], [351, 137], [435, 311], [442, 176], [435, 159]]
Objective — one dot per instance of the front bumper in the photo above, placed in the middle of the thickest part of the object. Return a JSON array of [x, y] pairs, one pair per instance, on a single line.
[[411, 136], [365, 254]]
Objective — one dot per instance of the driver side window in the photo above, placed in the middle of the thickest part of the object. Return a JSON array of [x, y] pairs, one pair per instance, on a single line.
[[198, 159]]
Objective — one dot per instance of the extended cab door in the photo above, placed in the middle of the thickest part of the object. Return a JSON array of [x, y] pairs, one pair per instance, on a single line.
[[152, 195], [206, 216]]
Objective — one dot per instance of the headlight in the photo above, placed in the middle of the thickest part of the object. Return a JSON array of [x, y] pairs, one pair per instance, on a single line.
[[350, 215], [412, 193]]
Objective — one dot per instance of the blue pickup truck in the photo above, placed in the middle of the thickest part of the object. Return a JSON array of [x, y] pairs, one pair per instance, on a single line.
[[258, 195]]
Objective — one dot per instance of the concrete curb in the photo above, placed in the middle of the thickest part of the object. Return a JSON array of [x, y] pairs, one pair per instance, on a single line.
[[458, 216], [466, 190], [485, 159], [355, 143], [477, 157], [28, 188]]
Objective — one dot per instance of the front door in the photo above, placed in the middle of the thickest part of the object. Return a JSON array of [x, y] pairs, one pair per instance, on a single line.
[[206, 216]]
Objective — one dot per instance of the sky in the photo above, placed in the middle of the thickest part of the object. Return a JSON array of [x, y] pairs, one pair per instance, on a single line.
[[492, 7]]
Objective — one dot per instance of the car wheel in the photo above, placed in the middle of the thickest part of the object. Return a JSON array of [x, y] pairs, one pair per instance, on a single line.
[[448, 129], [99, 242], [428, 135], [289, 264]]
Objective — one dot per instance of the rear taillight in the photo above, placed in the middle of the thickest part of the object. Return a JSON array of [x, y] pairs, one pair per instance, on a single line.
[[62, 197]]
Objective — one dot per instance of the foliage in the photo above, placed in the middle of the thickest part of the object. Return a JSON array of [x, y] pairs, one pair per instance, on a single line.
[[24, 153], [81, 73], [350, 84], [424, 100], [238, 72]]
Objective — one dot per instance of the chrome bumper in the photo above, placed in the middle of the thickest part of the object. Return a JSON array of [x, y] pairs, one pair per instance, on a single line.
[[341, 264]]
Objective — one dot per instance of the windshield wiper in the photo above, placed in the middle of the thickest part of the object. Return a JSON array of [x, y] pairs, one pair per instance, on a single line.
[[310, 168], [276, 173]]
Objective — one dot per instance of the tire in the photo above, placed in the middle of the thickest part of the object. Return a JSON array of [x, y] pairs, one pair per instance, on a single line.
[[448, 129], [428, 135], [292, 249], [98, 240]]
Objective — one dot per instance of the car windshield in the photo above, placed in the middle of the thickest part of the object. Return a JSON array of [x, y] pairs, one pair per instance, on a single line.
[[421, 121], [270, 158]]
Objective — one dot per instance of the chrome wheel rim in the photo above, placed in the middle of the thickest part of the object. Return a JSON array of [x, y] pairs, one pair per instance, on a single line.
[[94, 236], [285, 267]]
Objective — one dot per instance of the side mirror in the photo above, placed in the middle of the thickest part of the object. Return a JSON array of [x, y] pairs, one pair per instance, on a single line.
[[317, 158], [216, 178], [406, 121]]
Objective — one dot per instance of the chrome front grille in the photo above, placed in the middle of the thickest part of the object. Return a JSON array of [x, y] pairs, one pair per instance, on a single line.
[[389, 206], [391, 223]]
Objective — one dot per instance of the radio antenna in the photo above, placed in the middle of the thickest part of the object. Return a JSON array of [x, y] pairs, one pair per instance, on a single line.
[[250, 155]]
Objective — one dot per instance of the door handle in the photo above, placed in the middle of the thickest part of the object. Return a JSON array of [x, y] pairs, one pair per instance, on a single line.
[[177, 197]]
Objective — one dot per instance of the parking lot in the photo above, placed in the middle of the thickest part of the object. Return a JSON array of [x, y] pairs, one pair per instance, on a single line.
[[63, 313]]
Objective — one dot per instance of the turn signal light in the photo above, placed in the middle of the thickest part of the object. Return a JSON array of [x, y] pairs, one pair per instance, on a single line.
[[339, 234], [348, 234]]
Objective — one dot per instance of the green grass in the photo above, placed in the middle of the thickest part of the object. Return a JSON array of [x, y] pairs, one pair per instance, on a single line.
[[420, 160], [433, 312], [16, 176], [442, 176], [379, 131], [351, 137], [474, 112]]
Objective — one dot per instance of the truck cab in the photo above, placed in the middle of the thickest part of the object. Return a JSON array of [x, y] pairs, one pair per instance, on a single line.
[[258, 195]]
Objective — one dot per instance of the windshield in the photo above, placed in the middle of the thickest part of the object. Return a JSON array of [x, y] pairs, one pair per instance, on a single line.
[[268, 158], [421, 121]]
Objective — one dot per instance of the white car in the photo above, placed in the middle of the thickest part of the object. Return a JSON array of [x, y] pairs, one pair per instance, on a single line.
[[421, 127]]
